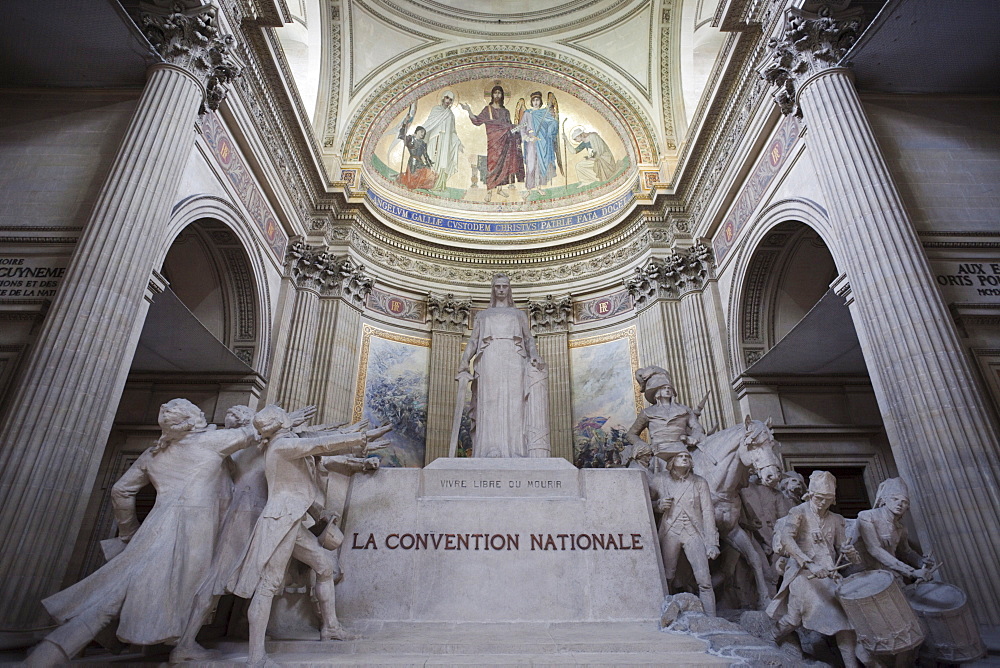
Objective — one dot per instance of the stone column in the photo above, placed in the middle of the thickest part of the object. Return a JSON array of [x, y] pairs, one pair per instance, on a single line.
[[660, 331], [449, 320], [691, 270], [944, 443], [305, 267], [59, 416], [335, 366], [550, 324]]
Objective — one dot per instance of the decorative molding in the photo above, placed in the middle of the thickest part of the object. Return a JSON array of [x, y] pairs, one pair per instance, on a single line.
[[666, 81], [551, 315], [335, 60], [232, 165], [396, 306], [600, 308], [672, 276], [448, 314], [189, 38], [768, 166], [815, 38], [313, 268]]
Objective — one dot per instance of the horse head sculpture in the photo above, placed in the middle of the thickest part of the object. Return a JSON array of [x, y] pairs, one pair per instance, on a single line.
[[759, 451]]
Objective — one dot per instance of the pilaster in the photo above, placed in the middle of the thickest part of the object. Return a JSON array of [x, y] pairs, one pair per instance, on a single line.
[[942, 440], [449, 320], [550, 324]]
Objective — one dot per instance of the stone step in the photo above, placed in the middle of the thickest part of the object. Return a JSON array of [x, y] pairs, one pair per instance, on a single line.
[[502, 644]]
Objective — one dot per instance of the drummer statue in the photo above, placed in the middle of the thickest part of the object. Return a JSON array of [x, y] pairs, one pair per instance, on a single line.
[[816, 543], [687, 522], [672, 425], [883, 542]]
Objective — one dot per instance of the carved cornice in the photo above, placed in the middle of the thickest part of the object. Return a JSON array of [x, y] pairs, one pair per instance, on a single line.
[[313, 268], [550, 316], [815, 38], [186, 35], [672, 276], [447, 314]]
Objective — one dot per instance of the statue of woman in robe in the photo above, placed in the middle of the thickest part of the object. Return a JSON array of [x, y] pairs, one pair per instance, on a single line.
[[509, 381]]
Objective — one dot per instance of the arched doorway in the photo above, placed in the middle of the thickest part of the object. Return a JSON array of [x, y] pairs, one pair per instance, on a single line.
[[203, 340], [800, 362]]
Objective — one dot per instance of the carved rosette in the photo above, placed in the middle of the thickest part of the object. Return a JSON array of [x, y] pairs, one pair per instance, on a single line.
[[671, 276], [447, 314], [186, 34], [313, 268], [550, 316], [812, 41]]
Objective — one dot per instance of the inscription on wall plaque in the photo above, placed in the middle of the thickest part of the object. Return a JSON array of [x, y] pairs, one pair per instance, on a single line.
[[470, 478]]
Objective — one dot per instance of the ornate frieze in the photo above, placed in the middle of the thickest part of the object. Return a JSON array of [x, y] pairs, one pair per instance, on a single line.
[[602, 307], [330, 275], [551, 315], [396, 306], [815, 38], [187, 35], [671, 276], [448, 314]]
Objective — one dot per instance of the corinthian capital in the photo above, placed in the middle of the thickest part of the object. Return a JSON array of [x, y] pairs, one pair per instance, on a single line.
[[551, 315], [671, 276], [186, 34], [815, 37], [311, 267], [447, 313]]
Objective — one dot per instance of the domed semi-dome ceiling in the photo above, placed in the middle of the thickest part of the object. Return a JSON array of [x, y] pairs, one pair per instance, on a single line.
[[609, 114], [443, 159]]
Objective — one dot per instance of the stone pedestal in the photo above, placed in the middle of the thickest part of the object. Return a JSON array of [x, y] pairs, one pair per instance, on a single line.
[[500, 540]]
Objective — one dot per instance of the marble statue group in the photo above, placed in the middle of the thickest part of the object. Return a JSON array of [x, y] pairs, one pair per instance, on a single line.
[[236, 505], [192, 548], [858, 582]]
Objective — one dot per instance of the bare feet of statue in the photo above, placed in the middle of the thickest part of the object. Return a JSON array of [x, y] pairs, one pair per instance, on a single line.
[[261, 662], [336, 633], [192, 652]]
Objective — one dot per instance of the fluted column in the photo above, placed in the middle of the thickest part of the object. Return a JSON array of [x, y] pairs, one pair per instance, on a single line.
[[942, 439], [336, 356], [59, 416], [296, 372], [707, 380], [550, 324], [449, 320], [307, 269], [652, 326]]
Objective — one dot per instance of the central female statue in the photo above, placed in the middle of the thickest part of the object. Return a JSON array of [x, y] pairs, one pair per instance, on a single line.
[[509, 411]]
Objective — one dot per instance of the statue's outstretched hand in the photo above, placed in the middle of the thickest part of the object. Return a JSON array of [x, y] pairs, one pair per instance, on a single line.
[[712, 552]]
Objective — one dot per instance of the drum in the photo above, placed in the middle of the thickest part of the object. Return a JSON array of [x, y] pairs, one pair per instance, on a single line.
[[878, 610], [952, 635]]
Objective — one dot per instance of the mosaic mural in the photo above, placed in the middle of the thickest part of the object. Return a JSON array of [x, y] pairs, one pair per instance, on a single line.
[[392, 389], [606, 397], [499, 144]]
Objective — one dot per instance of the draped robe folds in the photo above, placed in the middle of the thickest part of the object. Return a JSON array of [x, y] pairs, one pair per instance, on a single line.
[[538, 131], [152, 583], [599, 163], [443, 144], [509, 395], [504, 162]]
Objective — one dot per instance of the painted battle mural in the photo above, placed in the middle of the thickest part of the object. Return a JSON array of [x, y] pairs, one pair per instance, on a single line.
[[605, 396], [393, 386], [511, 144]]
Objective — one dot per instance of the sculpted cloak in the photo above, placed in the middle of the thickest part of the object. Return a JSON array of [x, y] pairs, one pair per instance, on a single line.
[[152, 583], [508, 393]]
